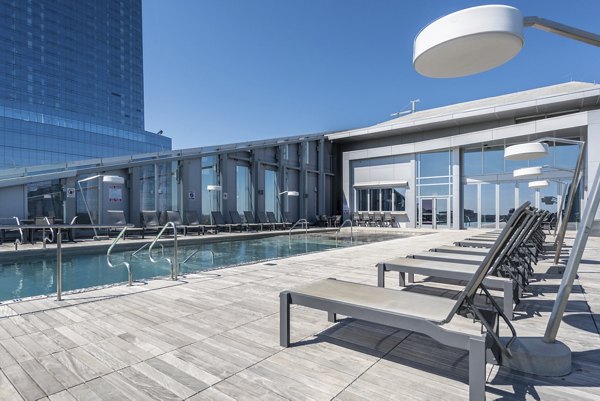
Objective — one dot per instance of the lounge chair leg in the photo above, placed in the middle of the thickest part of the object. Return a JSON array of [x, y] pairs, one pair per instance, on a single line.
[[402, 279], [380, 274], [331, 317], [476, 369], [507, 307], [284, 319]]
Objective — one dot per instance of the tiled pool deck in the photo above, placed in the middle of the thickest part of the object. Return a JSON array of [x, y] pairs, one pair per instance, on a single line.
[[215, 336]]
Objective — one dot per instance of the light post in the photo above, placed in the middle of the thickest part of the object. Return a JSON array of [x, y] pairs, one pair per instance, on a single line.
[[212, 188], [111, 179], [288, 193], [478, 39]]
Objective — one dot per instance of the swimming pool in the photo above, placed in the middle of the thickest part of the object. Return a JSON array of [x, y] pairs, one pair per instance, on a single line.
[[37, 276]]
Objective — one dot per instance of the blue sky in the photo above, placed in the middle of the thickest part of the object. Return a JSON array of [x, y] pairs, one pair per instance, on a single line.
[[223, 71]]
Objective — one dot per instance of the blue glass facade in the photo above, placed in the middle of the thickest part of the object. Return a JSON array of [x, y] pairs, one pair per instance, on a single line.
[[71, 81]]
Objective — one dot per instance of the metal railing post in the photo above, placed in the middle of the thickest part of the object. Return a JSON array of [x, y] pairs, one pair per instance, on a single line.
[[175, 255], [58, 265], [562, 231]]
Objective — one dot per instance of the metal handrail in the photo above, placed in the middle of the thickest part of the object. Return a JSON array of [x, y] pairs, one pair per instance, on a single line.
[[45, 239], [19, 241], [127, 265], [342, 226], [174, 263], [162, 249], [212, 254], [304, 223]]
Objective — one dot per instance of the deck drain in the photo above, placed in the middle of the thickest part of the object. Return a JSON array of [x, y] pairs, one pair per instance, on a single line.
[[270, 264]]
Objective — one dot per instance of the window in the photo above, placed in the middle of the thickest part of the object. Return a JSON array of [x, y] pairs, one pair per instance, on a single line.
[[362, 199], [243, 189], [472, 162], [271, 192], [45, 199], [399, 199], [210, 176], [381, 199], [167, 186]]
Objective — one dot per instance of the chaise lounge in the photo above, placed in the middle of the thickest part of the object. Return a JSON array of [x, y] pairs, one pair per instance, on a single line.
[[453, 323]]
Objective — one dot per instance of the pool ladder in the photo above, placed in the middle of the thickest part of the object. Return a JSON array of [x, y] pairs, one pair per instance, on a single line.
[[304, 224], [342, 226], [212, 255], [173, 262], [124, 263]]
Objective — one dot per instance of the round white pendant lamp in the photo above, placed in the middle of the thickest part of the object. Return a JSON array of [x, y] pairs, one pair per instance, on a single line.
[[538, 184], [527, 172], [526, 151], [468, 41]]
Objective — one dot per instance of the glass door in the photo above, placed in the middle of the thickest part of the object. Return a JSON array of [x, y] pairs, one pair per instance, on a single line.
[[426, 213], [441, 213], [433, 213]]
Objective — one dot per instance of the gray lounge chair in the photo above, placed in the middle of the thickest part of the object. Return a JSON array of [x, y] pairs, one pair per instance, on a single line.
[[237, 219], [443, 319], [219, 220], [273, 220], [193, 223], [117, 219], [150, 222], [512, 276], [174, 217], [250, 219], [261, 217]]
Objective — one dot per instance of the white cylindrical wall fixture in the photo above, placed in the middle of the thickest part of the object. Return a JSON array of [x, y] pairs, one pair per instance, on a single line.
[[527, 172], [113, 179], [468, 41], [213, 187], [538, 184], [526, 151]]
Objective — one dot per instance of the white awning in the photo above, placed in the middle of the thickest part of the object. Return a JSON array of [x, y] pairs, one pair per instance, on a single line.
[[381, 184]]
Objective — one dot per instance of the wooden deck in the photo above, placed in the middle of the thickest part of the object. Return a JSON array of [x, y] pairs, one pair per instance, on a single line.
[[214, 336]]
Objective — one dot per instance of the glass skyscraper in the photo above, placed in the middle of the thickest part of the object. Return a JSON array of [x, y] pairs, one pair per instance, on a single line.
[[71, 81]]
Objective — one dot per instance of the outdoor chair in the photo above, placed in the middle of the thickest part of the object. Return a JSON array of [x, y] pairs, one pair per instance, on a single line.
[[453, 323], [365, 219], [150, 222], [337, 220], [286, 222], [117, 219], [262, 219], [221, 224], [173, 216], [387, 219], [273, 220], [250, 219], [377, 219], [193, 223], [236, 218], [355, 219], [321, 220], [509, 273]]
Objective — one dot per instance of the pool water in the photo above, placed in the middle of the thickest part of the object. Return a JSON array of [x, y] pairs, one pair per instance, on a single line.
[[26, 278]]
